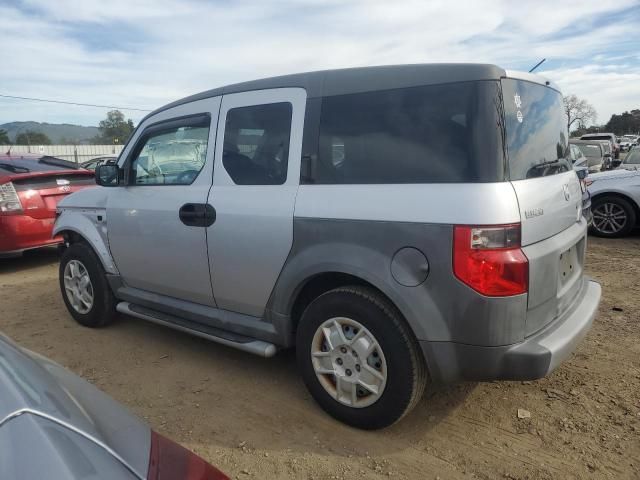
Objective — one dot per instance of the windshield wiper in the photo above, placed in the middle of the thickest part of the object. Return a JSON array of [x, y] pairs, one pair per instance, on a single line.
[[14, 168]]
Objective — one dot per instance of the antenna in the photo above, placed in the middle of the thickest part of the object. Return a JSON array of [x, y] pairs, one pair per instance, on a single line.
[[538, 64]]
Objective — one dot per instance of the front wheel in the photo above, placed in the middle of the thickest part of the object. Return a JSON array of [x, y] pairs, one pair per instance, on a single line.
[[612, 217], [359, 359], [84, 287]]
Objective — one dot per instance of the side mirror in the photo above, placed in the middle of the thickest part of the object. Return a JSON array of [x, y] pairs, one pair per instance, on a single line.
[[108, 175]]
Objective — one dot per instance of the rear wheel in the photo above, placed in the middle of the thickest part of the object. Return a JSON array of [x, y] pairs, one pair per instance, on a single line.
[[359, 359], [84, 287], [612, 217]]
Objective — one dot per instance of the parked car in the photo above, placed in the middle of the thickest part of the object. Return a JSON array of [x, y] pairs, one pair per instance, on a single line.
[[383, 238], [608, 162], [53, 424], [595, 153], [94, 162], [625, 143], [615, 197], [30, 189], [604, 136], [632, 139], [580, 163]]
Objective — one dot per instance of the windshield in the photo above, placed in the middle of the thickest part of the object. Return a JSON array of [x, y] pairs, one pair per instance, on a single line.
[[537, 137], [590, 151]]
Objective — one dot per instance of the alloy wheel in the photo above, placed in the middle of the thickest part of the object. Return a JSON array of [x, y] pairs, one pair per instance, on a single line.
[[349, 362], [78, 287], [609, 218]]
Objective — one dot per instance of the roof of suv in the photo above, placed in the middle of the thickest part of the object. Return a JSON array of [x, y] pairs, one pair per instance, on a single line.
[[363, 79]]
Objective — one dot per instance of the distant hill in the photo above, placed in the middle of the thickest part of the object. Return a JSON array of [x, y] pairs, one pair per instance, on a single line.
[[55, 131]]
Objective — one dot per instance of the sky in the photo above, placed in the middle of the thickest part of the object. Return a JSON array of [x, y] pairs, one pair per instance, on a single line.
[[146, 53]]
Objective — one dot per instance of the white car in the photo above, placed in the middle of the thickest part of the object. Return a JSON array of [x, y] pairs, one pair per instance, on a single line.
[[615, 201]]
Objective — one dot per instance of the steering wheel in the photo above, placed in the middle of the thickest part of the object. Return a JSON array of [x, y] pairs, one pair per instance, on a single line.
[[187, 176]]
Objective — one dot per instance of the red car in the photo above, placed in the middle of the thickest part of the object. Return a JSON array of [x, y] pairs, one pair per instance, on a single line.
[[30, 188]]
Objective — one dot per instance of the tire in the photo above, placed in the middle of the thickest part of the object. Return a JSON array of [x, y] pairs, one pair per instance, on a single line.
[[613, 217], [102, 310], [397, 357]]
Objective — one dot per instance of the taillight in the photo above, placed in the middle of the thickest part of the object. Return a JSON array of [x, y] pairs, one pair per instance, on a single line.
[[9, 201], [489, 259], [170, 461]]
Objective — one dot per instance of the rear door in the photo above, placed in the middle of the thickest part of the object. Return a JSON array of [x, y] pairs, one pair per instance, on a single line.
[[549, 197], [256, 178]]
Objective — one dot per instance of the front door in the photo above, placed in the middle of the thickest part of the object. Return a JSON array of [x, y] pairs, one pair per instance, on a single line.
[[256, 178], [157, 220]]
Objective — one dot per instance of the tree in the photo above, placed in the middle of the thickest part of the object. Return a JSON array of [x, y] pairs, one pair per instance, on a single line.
[[32, 138], [626, 122], [4, 138], [114, 129], [578, 110]]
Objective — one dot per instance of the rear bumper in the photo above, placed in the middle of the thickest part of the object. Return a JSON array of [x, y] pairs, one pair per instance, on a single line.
[[535, 357], [21, 232]]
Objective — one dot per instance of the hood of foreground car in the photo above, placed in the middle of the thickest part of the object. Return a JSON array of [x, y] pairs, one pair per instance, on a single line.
[[31, 382], [613, 174]]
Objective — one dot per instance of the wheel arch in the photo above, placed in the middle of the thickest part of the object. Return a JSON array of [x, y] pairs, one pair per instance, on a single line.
[[310, 286], [77, 227]]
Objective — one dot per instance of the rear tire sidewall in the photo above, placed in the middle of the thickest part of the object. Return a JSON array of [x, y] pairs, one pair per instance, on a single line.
[[629, 212], [399, 390], [102, 311]]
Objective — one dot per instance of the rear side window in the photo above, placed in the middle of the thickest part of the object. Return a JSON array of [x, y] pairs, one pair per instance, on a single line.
[[440, 133], [537, 136], [256, 144]]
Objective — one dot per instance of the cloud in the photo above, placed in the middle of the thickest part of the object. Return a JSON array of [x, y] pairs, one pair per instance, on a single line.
[[147, 53]]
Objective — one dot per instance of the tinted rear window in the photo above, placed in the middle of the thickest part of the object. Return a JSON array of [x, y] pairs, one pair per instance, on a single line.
[[441, 133], [537, 136]]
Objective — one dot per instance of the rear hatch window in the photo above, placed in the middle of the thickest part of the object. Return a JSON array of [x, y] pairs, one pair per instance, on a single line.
[[536, 130]]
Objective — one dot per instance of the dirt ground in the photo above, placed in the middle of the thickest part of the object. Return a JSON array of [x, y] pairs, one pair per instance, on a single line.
[[254, 418]]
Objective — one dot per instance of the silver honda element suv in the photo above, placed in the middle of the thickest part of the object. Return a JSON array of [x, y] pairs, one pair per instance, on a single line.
[[396, 225]]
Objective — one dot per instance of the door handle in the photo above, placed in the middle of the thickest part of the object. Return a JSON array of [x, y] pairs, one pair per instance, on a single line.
[[197, 214]]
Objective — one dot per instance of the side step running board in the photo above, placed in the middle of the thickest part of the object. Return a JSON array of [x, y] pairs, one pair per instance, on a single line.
[[246, 344]]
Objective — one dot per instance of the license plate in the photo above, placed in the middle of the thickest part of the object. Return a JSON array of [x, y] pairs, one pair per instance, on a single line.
[[569, 265]]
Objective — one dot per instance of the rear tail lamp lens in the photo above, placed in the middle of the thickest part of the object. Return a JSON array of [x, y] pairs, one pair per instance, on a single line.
[[9, 201], [489, 259], [170, 461]]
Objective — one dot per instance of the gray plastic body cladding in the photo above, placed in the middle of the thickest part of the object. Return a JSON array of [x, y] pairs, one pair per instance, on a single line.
[[234, 322], [535, 357], [439, 309]]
